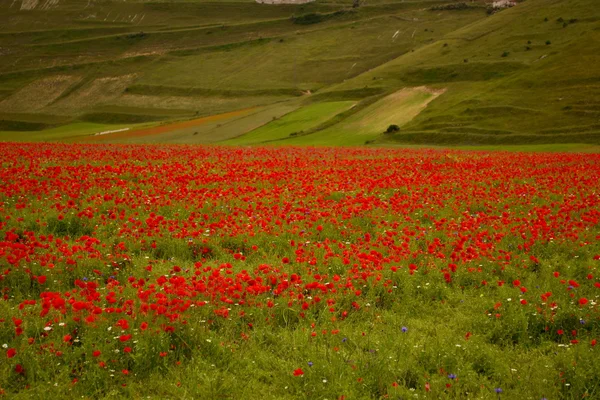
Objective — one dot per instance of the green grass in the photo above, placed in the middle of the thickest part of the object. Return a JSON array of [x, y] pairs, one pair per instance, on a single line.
[[293, 124], [535, 89], [309, 60], [568, 147], [530, 148], [474, 139], [119, 118], [359, 353], [155, 90], [30, 122], [62, 133], [192, 105]]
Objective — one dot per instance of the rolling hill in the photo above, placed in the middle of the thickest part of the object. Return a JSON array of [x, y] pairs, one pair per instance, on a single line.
[[446, 72]]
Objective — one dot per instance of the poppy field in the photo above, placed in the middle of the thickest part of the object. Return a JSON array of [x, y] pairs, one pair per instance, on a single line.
[[322, 273]]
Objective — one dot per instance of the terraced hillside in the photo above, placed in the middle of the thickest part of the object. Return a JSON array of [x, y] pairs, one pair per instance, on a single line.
[[71, 69]]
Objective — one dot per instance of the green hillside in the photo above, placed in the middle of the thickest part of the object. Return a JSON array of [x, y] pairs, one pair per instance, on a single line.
[[525, 75]]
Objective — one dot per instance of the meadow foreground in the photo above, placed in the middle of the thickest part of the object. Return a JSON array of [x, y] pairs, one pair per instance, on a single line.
[[224, 272]]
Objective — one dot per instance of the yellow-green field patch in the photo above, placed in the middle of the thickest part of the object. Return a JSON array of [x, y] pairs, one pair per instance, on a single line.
[[38, 94], [397, 108]]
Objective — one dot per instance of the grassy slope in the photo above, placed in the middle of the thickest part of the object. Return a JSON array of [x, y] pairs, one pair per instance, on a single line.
[[70, 132], [204, 58], [498, 90], [325, 54], [504, 84], [369, 123]]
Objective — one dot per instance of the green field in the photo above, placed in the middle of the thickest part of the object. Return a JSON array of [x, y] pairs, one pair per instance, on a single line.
[[70, 132], [243, 272], [294, 124], [223, 199], [210, 129], [521, 76], [371, 121]]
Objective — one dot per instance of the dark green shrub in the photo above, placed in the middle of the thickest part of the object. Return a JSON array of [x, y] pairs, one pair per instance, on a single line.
[[392, 129], [315, 18]]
